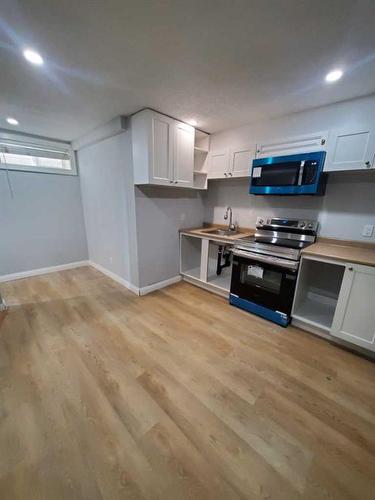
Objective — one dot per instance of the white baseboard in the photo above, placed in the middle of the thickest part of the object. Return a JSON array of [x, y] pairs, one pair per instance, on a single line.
[[72, 265], [115, 277], [43, 270], [160, 284], [138, 291]]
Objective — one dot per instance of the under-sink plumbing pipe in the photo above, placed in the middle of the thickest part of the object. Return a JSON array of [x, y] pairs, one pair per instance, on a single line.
[[222, 253]]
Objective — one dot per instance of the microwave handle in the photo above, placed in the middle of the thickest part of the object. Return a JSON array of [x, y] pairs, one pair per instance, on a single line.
[[267, 260]]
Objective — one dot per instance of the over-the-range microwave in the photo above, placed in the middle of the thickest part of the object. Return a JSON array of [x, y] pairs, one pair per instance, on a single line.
[[289, 175]]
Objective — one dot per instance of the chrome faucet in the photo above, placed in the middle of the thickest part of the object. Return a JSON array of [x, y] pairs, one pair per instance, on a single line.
[[231, 226]]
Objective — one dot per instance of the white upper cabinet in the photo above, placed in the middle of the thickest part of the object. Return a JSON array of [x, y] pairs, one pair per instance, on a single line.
[[293, 145], [161, 160], [218, 164], [163, 150], [352, 149], [354, 319], [229, 163], [241, 161], [184, 154]]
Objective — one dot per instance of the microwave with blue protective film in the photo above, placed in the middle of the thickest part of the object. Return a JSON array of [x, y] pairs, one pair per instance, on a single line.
[[299, 174]]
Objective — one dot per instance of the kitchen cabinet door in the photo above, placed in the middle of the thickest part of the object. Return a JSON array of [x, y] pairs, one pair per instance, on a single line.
[[184, 155], [350, 150], [162, 149], [354, 319], [218, 164], [241, 161], [292, 145]]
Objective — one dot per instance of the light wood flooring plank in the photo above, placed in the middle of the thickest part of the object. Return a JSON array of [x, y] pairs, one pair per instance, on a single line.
[[175, 395]]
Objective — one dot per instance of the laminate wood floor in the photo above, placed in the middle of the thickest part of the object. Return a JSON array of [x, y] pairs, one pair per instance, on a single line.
[[174, 395]]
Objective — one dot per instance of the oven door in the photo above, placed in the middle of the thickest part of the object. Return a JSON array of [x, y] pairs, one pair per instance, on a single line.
[[264, 280]]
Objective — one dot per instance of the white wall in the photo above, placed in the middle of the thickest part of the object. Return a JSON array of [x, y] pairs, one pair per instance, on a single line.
[[161, 212], [42, 225], [107, 190], [349, 202], [348, 205]]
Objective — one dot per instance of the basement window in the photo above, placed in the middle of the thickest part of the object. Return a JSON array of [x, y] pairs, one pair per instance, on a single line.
[[34, 154]]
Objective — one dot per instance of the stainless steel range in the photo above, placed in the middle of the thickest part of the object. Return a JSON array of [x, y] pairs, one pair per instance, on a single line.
[[265, 267]]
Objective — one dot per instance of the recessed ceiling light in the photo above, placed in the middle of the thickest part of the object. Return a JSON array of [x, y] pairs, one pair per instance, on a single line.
[[33, 57], [194, 123], [12, 121], [333, 76]]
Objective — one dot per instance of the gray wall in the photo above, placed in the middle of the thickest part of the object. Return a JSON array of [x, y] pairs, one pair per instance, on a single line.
[[161, 212], [349, 202], [107, 193], [43, 224], [132, 231]]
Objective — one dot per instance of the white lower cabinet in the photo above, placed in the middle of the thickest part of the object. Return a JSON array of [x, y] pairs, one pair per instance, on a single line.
[[198, 263], [190, 256], [354, 319], [317, 292], [337, 299]]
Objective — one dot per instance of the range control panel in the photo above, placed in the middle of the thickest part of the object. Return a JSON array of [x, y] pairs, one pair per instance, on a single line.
[[277, 223]]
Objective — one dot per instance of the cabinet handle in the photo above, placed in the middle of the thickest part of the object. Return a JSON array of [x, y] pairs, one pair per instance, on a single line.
[[176, 182], [230, 174], [226, 175], [368, 164], [350, 269]]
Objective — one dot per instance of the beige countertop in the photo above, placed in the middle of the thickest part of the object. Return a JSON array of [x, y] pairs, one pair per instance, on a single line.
[[348, 251], [203, 232]]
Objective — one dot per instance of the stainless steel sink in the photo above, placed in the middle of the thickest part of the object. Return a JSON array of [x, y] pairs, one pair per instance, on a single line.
[[222, 232]]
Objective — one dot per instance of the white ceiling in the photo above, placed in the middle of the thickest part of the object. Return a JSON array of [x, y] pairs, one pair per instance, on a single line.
[[223, 62]]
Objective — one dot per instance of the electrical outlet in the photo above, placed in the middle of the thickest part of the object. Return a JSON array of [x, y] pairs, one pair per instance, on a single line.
[[368, 229]]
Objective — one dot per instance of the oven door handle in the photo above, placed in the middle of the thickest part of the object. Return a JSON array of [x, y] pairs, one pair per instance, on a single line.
[[266, 259]]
